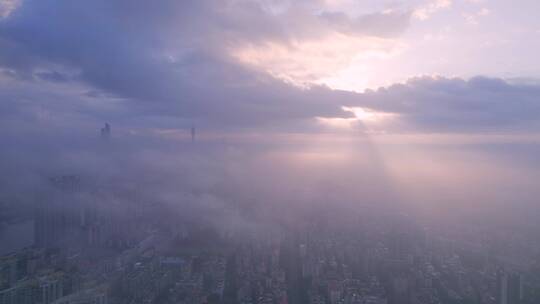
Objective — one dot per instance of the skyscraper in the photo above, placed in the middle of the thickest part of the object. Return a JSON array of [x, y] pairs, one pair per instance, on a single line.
[[106, 131], [56, 216], [510, 288]]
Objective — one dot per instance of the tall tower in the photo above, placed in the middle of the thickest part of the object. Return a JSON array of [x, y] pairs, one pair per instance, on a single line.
[[106, 131], [192, 134]]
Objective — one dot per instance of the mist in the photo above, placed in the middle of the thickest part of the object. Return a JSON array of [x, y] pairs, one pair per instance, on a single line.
[[269, 152]]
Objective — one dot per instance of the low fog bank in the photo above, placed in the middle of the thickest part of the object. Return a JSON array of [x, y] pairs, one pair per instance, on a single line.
[[248, 183]]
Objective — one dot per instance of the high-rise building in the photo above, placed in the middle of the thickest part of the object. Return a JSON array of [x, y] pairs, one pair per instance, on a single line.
[[51, 288], [57, 216], [106, 131], [510, 288], [25, 292]]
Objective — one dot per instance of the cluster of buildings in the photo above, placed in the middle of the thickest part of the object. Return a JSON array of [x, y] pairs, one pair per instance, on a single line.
[[87, 253], [259, 273]]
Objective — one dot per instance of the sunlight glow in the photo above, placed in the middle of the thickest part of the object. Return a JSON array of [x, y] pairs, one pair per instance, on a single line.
[[366, 115], [338, 122], [326, 60], [373, 120]]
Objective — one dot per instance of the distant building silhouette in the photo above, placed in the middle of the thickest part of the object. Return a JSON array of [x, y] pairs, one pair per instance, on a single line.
[[510, 288], [106, 131], [192, 134], [55, 217], [66, 182]]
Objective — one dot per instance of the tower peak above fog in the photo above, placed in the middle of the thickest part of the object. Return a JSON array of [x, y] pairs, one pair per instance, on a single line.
[[106, 131]]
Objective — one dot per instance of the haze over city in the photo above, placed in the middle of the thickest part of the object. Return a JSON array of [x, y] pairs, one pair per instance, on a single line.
[[269, 151]]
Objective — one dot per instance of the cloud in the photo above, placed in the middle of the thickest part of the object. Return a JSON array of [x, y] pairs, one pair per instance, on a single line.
[[7, 7], [438, 104], [474, 18], [181, 58], [318, 45], [166, 53], [306, 62], [425, 12], [172, 65], [152, 69]]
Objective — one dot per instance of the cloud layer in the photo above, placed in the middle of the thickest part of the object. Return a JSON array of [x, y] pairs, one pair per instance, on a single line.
[[171, 64], [154, 69]]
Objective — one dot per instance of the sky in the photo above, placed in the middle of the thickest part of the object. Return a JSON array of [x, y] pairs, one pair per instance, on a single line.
[[408, 95], [278, 65]]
